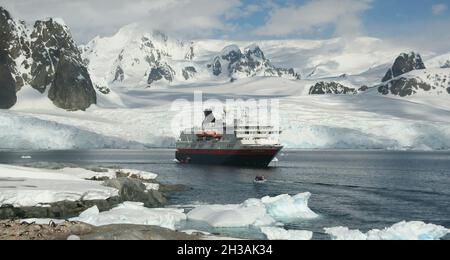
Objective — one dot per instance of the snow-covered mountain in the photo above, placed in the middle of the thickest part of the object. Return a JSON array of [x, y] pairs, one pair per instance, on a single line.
[[135, 58], [409, 76], [44, 58]]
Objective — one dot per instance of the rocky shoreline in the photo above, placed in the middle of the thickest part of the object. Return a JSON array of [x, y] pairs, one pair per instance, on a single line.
[[50, 221], [69, 230]]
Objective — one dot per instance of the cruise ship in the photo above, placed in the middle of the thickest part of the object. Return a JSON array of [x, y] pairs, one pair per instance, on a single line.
[[217, 143]]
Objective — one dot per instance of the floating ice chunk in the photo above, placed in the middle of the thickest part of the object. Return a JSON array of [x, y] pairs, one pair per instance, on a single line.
[[73, 238], [276, 233], [231, 215], [414, 230], [255, 212], [133, 213], [344, 233], [286, 207]]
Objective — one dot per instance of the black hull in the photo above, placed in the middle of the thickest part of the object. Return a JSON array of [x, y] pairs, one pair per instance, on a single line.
[[256, 159]]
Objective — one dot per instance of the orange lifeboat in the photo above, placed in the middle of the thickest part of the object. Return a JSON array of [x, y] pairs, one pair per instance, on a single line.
[[210, 134]]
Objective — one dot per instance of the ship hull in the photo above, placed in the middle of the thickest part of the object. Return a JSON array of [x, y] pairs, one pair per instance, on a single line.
[[259, 158]]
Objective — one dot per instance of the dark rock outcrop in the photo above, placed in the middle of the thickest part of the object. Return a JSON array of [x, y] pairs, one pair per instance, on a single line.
[[135, 190], [363, 88], [324, 88], [190, 54], [404, 87], [189, 72], [14, 42], [216, 66], [161, 71], [119, 75], [8, 96], [404, 64], [72, 88]]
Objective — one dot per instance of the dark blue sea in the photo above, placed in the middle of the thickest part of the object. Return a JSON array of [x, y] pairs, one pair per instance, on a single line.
[[357, 189]]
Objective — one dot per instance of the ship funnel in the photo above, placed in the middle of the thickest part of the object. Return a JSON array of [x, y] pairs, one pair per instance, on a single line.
[[209, 117]]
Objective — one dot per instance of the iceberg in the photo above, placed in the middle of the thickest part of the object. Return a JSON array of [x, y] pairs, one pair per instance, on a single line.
[[133, 213], [344, 233], [255, 212], [285, 207], [276, 233], [414, 230]]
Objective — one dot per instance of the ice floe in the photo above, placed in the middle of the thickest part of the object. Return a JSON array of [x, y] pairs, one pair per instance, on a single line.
[[277, 233], [255, 212], [414, 230], [133, 213]]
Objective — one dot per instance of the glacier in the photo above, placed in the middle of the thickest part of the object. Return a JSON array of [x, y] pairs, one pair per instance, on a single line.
[[143, 118]]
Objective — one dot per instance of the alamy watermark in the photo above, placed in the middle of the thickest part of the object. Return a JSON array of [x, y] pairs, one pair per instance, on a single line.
[[232, 113]]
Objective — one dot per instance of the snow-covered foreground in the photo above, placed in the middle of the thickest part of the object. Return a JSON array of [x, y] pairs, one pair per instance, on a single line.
[[145, 118], [29, 187]]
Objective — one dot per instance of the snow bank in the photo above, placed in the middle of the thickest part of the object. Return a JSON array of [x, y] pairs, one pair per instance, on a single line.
[[29, 187], [275, 233], [255, 212], [414, 230], [133, 213]]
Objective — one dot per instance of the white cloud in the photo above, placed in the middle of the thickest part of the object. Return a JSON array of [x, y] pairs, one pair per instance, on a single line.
[[439, 9], [88, 18], [314, 15]]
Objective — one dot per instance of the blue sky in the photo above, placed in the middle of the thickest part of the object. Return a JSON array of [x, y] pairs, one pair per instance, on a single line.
[[399, 20]]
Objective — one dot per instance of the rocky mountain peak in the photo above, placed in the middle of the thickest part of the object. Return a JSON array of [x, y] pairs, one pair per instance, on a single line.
[[4, 15], [252, 62], [34, 58], [404, 63], [253, 51]]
